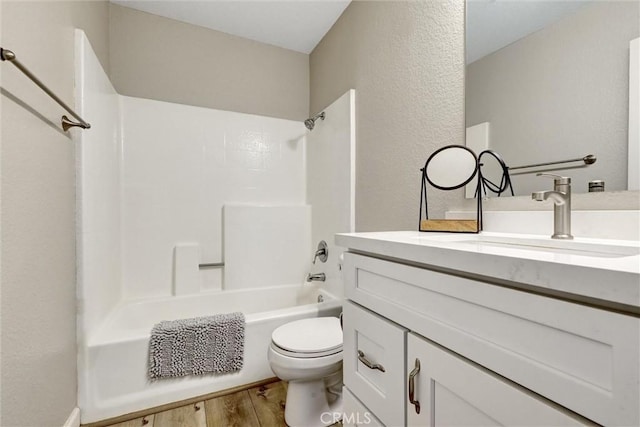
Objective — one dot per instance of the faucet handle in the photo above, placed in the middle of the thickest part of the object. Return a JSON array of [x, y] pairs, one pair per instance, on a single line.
[[322, 252], [557, 179]]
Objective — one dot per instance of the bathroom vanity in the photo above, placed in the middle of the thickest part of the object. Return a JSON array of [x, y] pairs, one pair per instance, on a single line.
[[490, 329]]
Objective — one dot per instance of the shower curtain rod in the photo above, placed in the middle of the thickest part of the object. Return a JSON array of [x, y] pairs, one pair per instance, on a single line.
[[7, 55]]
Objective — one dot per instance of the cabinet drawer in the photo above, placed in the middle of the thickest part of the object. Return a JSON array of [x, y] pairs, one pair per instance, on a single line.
[[372, 340], [450, 391], [355, 414], [583, 358]]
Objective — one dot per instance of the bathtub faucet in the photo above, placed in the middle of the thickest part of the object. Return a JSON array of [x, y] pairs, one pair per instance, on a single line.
[[322, 252], [320, 277]]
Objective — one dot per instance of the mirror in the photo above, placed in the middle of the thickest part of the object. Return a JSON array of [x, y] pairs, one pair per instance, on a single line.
[[548, 81], [495, 179], [451, 167]]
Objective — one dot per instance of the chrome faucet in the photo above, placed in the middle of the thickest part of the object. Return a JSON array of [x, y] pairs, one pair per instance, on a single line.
[[320, 277], [561, 197]]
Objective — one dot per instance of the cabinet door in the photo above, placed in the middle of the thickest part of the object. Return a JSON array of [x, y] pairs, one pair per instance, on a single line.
[[355, 414], [373, 361], [451, 391]]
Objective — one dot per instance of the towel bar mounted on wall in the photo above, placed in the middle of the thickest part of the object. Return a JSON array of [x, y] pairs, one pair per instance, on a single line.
[[589, 159], [7, 55]]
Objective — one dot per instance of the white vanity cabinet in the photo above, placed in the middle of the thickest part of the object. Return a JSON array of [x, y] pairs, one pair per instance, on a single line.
[[373, 361], [489, 354], [450, 391]]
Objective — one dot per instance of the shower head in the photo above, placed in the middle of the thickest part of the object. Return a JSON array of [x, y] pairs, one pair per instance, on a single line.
[[311, 122]]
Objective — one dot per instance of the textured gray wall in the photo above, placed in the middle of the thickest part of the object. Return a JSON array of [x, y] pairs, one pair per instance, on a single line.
[[406, 62], [159, 58], [560, 93], [38, 307]]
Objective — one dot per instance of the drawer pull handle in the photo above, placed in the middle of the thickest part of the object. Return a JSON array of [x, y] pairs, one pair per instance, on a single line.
[[412, 386], [367, 362]]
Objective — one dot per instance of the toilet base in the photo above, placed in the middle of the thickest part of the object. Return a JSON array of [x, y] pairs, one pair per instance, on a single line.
[[309, 404]]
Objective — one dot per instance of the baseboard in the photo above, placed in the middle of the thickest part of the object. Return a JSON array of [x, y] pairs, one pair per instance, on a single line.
[[74, 419]]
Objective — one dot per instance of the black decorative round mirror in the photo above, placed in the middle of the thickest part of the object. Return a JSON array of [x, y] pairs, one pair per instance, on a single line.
[[494, 173], [451, 167]]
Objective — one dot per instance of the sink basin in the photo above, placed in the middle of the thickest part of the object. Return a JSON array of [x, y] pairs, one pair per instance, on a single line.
[[586, 247]]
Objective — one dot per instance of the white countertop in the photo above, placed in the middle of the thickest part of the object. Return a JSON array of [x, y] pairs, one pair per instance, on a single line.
[[594, 278]]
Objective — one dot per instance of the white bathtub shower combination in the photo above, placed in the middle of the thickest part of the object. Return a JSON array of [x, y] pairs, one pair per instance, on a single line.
[[117, 353], [163, 188]]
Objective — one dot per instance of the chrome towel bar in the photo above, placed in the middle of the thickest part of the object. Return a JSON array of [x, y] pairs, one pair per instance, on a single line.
[[588, 160], [7, 55]]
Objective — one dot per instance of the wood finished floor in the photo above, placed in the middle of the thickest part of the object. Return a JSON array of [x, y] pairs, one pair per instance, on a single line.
[[256, 407]]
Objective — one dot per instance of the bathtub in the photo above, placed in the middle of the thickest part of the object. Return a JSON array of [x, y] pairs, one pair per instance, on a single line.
[[113, 362]]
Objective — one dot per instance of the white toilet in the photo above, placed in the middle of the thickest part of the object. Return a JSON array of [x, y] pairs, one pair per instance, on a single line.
[[308, 354]]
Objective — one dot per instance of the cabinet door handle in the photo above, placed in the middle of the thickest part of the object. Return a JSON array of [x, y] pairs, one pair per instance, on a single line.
[[368, 363], [412, 386]]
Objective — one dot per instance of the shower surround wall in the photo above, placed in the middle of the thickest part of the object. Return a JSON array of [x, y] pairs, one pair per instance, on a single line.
[[98, 206], [164, 187], [155, 175], [331, 182], [181, 165]]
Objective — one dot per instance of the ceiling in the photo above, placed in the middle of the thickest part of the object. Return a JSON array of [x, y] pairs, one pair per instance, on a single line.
[[494, 24], [299, 25], [294, 24]]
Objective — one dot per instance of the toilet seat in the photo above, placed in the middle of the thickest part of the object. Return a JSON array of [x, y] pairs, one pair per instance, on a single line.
[[307, 338], [300, 355]]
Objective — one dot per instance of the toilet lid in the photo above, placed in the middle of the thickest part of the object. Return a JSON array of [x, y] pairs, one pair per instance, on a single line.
[[320, 334]]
